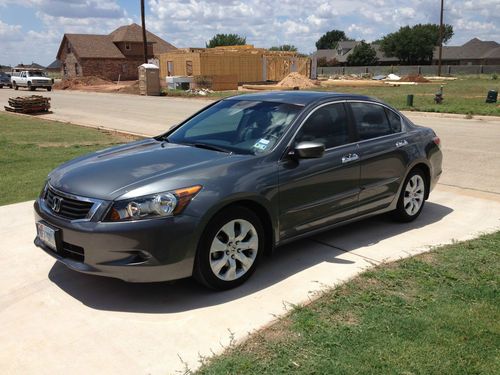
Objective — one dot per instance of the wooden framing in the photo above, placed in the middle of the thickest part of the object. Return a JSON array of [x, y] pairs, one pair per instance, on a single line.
[[249, 64]]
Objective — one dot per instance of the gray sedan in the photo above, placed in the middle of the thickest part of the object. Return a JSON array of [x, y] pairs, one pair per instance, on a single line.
[[229, 184]]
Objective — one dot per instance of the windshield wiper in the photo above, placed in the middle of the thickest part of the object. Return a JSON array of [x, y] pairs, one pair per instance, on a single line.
[[208, 147]]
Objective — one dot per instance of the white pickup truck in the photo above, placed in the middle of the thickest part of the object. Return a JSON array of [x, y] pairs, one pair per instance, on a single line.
[[31, 79]]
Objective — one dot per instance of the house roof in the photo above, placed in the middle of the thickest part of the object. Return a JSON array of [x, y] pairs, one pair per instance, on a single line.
[[92, 46], [133, 33], [33, 65], [56, 64], [104, 46], [473, 49]]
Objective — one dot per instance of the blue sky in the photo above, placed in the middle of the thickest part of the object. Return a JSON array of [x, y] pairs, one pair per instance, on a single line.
[[31, 30]]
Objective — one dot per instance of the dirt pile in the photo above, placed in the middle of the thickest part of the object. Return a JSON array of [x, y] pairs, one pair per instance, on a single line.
[[76, 83], [414, 78], [129, 89], [297, 80]]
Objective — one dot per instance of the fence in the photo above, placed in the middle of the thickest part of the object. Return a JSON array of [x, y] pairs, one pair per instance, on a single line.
[[409, 69]]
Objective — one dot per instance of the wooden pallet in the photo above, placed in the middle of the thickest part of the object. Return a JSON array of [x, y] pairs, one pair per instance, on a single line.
[[29, 104]]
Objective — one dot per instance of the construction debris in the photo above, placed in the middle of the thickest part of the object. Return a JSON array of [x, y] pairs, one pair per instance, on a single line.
[[76, 83], [393, 77], [414, 78], [199, 92], [29, 104]]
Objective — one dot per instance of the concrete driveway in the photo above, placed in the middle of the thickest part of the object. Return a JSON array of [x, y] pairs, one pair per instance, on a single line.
[[55, 319]]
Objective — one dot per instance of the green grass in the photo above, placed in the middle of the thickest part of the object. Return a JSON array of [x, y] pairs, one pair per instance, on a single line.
[[30, 148], [466, 95], [437, 313]]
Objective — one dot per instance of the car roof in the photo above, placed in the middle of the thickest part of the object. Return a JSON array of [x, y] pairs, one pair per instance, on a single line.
[[301, 98]]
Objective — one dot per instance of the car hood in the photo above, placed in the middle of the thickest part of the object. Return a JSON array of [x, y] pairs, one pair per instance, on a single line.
[[142, 167]]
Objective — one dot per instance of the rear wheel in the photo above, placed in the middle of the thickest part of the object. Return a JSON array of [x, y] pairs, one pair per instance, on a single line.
[[1, 86], [412, 198], [229, 249]]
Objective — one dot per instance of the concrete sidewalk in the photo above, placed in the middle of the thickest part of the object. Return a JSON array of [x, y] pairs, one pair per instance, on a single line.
[[55, 320]]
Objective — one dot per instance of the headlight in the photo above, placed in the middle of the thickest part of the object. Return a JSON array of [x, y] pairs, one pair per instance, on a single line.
[[152, 206]]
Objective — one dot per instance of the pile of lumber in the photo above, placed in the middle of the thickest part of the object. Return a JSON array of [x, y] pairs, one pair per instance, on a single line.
[[29, 104]]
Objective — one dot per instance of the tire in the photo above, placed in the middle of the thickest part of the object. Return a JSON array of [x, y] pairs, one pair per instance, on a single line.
[[225, 260], [1, 86], [16, 87], [49, 88], [412, 197], [31, 88]]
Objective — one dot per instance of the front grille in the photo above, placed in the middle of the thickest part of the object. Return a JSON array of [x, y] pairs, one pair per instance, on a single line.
[[40, 82], [69, 208]]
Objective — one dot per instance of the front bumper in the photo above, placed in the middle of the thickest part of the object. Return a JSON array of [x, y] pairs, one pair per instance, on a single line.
[[139, 251]]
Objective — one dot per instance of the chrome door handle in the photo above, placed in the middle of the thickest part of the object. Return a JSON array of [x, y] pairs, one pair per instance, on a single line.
[[402, 143], [349, 157]]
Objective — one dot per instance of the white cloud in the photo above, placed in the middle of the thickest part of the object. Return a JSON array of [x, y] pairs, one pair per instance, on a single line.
[[190, 23]]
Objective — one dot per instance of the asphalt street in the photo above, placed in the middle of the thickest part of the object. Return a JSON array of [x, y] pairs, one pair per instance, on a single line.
[[56, 320]]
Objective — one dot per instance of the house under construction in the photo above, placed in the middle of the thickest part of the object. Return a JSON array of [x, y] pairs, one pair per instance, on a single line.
[[247, 63]]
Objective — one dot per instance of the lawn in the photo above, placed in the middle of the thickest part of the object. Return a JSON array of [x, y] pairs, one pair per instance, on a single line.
[[31, 147], [437, 313], [466, 95]]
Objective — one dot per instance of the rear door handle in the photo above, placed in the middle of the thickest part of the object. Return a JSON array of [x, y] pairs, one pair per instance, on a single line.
[[402, 143], [349, 157]]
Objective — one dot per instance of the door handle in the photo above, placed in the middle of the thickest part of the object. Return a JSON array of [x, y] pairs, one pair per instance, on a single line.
[[349, 157], [402, 143]]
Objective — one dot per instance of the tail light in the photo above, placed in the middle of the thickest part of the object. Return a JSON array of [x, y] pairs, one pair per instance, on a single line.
[[437, 141]]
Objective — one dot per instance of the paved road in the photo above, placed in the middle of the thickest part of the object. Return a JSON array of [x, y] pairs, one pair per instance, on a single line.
[[54, 318], [466, 143]]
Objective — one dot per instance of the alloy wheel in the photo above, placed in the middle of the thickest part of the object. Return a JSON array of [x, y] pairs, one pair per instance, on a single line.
[[414, 195], [234, 249]]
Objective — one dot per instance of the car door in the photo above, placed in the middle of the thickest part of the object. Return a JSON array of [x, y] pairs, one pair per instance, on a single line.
[[320, 191], [383, 151]]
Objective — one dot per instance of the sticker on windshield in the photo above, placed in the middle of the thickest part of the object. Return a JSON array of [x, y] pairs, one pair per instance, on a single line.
[[262, 144]]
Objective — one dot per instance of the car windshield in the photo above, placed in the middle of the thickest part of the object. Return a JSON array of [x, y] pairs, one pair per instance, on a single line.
[[239, 126], [36, 74]]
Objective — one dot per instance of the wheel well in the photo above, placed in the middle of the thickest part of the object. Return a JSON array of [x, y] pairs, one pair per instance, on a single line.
[[263, 216], [427, 174]]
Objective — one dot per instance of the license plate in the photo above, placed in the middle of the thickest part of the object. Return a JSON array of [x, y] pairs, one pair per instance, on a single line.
[[47, 235]]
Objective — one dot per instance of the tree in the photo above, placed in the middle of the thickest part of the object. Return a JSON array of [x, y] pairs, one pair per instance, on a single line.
[[284, 47], [226, 40], [331, 39], [324, 62], [415, 44], [363, 54]]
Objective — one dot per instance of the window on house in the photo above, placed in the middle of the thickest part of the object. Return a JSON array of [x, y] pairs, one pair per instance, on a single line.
[[124, 68], [65, 69], [127, 46], [189, 68], [77, 69], [170, 68], [68, 47]]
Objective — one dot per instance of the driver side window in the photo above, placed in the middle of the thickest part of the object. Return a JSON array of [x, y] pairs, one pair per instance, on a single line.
[[327, 125]]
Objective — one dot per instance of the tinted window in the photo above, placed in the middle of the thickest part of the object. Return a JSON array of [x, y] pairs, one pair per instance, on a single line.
[[371, 120], [394, 120], [327, 125]]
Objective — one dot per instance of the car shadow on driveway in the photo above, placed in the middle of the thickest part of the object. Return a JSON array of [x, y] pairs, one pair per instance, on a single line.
[[104, 293]]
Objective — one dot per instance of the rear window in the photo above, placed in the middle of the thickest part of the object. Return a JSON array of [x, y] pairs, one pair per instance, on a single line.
[[371, 121]]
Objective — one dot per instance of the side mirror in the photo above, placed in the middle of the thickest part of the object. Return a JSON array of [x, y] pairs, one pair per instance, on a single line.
[[309, 150]]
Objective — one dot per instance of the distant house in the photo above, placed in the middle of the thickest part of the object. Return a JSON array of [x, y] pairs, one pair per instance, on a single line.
[[32, 66], [112, 56], [54, 67], [345, 48], [474, 52]]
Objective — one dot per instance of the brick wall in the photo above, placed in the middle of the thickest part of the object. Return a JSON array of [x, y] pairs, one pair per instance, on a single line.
[[111, 69]]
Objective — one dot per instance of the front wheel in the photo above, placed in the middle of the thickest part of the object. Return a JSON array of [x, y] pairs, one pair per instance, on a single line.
[[412, 198], [49, 88], [229, 249], [16, 87]]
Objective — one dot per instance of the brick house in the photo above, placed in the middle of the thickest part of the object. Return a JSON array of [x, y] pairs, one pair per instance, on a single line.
[[112, 56]]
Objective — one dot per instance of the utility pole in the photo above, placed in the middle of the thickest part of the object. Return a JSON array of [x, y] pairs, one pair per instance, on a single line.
[[440, 38], [144, 40]]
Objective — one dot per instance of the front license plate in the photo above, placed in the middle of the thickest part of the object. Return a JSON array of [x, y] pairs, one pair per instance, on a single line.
[[47, 235]]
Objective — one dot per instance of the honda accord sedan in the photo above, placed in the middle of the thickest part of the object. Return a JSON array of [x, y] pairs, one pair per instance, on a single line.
[[237, 179]]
